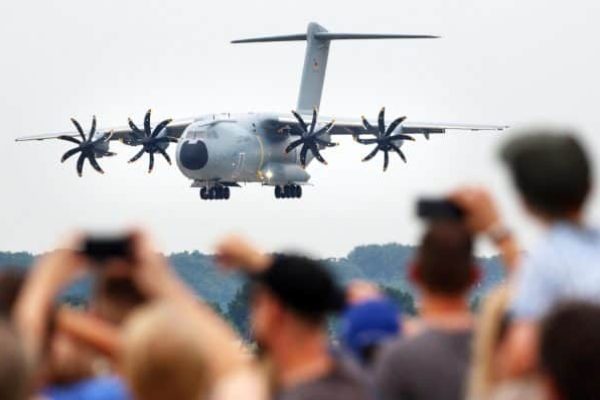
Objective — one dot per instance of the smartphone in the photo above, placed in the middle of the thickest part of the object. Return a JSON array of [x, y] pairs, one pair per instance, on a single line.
[[439, 209], [102, 248]]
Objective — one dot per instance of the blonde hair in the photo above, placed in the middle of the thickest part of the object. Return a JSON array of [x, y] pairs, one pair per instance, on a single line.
[[483, 375], [162, 355]]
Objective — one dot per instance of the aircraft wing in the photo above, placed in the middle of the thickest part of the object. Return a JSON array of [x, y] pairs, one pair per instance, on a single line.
[[174, 130], [356, 127]]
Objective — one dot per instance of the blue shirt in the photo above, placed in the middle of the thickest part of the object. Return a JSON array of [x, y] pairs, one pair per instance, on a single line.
[[102, 388], [565, 265]]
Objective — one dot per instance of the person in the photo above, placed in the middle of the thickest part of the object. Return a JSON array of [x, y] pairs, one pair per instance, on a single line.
[[227, 370], [292, 296], [553, 175], [14, 378], [368, 323], [570, 351], [433, 362]]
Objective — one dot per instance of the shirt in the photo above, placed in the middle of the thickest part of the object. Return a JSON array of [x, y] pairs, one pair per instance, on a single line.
[[343, 382], [565, 265], [103, 388], [431, 366]]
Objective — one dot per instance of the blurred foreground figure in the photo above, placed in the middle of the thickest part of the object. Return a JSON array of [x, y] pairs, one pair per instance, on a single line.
[[14, 379], [291, 299], [432, 363], [171, 345], [368, 323], [554, 178], [570, 351]]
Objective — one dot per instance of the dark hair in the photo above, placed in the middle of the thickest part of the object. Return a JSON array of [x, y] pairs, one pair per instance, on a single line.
[[12, 280], [445, 258], [570, 349], [13, 366], [304, 286], [551, 171]]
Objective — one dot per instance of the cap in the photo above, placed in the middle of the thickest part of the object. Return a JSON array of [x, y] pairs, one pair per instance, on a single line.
[[303, 285], [368, 323]]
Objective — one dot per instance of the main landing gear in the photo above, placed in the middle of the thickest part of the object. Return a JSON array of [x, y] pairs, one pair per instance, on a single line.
[[215, 193], [288, 192]]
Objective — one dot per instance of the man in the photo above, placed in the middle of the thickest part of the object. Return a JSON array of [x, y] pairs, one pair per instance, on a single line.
[[570, 357], [553, 176], [433, 363], [291, 299]]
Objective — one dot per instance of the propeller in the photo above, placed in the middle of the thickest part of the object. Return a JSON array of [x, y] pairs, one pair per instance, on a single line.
[[88, 146], [310, 139], [384, 138], [152, 140]]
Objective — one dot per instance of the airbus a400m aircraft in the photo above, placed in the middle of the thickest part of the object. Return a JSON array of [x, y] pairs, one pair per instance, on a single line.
[[220, 151]]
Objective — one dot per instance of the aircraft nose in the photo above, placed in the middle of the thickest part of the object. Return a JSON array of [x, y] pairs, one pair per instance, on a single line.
[[194, 155]]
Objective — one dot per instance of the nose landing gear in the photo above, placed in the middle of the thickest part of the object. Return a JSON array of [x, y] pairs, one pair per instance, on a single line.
[[288, 192], [215, 193]]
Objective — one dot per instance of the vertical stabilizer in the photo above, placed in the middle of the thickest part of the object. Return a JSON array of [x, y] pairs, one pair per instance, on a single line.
[[313, 73]]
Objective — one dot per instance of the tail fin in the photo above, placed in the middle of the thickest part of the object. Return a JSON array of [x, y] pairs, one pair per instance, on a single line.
[[315, 59]]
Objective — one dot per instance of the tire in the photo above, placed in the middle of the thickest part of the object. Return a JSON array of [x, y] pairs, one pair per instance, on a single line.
[[278, 192], [287, 191], [226, 193], [203, 194], [212, 193], [298, 191]]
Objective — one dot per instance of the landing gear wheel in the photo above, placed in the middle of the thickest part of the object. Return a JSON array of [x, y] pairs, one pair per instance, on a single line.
[[203, 194], [278, 192], [226, 193], [212, 193], [287, 191], [298, 191]]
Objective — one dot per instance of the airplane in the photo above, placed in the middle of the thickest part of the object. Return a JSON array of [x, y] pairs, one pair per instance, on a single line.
[[220, 151]]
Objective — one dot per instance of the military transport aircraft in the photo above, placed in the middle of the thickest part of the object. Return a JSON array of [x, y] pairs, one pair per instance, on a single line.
[[220, 151]]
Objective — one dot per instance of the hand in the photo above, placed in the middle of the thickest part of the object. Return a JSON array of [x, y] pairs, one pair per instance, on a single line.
[[234, 252], [150, 269], [480, 209]]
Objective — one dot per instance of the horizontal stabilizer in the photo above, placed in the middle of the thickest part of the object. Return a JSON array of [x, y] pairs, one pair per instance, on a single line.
[[284, 38], [348, 36], [332, 36]]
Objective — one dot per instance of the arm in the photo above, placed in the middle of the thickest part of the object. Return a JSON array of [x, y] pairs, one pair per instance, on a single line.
[[483, 217]]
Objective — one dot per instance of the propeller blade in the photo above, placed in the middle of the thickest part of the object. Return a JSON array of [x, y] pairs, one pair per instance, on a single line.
[[401, 137], [69, 139], [313, 122], [366, 124], [147, 129], [79, 129], [164, 154], [293, 145], [371, 154], [173, 140], [70, 153], [92, 129], [325, 129], [160, 127], [397, 150], [303, 155], [317, 154], [381, 122], [151, 163], [393, 125], [138, 155], [94, 163], [300, 121], [386, 160], [80, 161]]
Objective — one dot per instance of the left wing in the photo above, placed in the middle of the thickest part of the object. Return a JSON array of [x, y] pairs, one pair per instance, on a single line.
[[123, 133], [356, 127]]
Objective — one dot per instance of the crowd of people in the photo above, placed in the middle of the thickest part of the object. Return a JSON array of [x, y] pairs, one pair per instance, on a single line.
[[145, 335]]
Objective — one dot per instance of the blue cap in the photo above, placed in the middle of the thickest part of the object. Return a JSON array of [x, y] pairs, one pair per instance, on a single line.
[[368, 323]]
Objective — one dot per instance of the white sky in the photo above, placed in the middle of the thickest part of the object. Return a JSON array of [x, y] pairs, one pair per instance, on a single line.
[[500, 61]]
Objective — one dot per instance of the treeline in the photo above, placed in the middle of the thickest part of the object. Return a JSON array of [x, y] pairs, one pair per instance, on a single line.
[[384, 264]]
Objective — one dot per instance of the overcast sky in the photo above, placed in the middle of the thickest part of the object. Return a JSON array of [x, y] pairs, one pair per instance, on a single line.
[[500, 61]]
